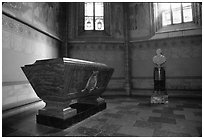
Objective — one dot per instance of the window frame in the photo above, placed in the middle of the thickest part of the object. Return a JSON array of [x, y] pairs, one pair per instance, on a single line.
[[80, 10], [94, 16], [196, 23], [181, 8]]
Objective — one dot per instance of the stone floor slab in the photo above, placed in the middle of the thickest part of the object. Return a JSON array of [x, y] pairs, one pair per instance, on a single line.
[[123, 117]]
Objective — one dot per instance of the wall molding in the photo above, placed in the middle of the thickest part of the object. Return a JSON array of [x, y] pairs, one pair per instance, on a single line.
[[170, 92], [171, 84], [148, 92], [96, 46], [96, 42], [152, 89], [189, 47], [169, 77], [12, 110], [165, 39], [117, 78], [33, 27], [14, 83]]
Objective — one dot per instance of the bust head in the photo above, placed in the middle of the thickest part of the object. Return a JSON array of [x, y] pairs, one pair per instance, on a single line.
[[159, 59], [159, 51]]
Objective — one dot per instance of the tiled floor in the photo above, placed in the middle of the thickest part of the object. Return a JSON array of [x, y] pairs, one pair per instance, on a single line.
[[123, 117]]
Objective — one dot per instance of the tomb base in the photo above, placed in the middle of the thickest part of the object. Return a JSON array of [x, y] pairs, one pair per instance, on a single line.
[[159, 97], [82, 112]]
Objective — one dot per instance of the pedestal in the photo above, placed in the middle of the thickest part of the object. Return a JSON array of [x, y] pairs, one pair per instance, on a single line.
[[159, 94], [159, 97], [83, 111]]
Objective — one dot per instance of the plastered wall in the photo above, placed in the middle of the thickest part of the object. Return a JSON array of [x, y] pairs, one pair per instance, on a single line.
[[183, 50], [110, 54], [23, 42], [183, 66]]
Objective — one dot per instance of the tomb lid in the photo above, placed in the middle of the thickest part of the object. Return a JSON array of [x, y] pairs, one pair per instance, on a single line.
[[67, 60]]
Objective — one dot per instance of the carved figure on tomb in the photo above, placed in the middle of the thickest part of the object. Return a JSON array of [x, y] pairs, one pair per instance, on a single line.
[[92, 82]]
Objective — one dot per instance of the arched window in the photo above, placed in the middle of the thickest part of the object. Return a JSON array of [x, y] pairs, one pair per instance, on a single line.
[[93, 16]]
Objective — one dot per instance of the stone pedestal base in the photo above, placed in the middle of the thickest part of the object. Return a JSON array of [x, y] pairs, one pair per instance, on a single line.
[[91, 100], [62, 114], [159, 97], [83, 111]]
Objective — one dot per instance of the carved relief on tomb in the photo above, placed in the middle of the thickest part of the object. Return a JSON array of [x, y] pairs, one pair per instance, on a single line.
[[92, 82]]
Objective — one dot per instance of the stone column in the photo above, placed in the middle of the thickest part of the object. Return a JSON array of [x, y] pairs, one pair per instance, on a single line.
[[127, 51]]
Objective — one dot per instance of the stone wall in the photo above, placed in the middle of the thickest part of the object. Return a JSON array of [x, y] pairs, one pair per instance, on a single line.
[[183, 66], [108, 53], [45, 16], [183, 49], [27, 35], [139, 21]]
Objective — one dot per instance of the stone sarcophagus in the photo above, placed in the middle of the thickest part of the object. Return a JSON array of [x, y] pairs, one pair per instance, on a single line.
[[71, 89]]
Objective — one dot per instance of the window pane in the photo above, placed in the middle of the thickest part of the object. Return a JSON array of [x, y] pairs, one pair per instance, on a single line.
[[88, 8], [94, 12], [175, 6], [164, 9], [88, 23], [173, 13], [176, 10], [186, 5], [98, 9], [164, 6], [187, 12], [99, 25], [166, 18]]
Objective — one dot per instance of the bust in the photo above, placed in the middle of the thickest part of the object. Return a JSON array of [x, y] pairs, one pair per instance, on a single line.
[[160, 95], [159, 59]]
